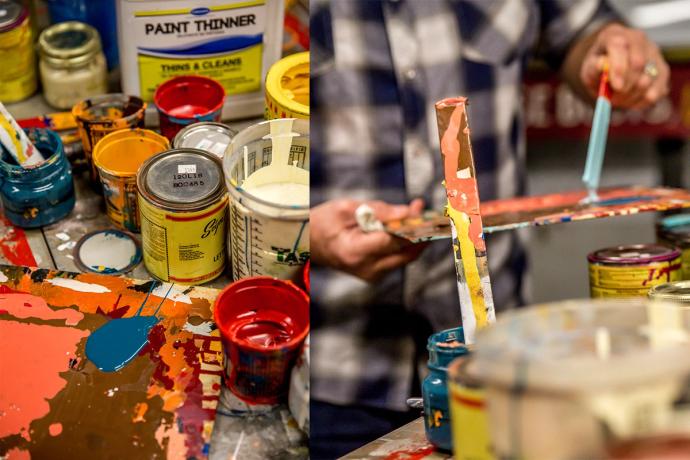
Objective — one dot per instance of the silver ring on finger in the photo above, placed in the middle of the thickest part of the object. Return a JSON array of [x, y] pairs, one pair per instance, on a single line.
[[651, 70]]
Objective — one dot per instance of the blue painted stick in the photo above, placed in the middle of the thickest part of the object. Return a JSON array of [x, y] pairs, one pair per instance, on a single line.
[[597, 138]]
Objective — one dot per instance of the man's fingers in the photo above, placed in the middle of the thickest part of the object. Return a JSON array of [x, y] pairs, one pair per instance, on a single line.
[[617, 52], [416, 207]]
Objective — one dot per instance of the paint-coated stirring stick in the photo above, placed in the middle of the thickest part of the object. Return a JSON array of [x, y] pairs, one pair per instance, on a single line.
[[16, 142], [597, 138], [469, 248]]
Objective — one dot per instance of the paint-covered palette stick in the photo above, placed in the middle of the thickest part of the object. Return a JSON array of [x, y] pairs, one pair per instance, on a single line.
[[469, 248], [16, 142], [597, 138]]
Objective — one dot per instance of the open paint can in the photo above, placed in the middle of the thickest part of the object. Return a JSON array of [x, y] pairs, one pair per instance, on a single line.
[[263, 322], [266, 171], [678, 292], [287, 88], [443, 348], [188, 99], [675, 231], [117, 158], [563, 380], [632, 270], [468, 418], [40, 194], [101, 115]]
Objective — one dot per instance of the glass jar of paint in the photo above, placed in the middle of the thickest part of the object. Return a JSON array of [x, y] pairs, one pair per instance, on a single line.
[[72, 64], [18, 76], [41, 194], [443, 348]]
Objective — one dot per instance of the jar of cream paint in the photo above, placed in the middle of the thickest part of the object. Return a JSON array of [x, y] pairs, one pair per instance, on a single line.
[[43, 193], [72, 64]]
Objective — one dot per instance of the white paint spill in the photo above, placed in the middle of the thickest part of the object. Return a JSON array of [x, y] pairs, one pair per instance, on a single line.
[[78, 285], [67, 245], [175, 295], [107, 250], [62, 236], [3, 277], [204, 328], [464, 174]]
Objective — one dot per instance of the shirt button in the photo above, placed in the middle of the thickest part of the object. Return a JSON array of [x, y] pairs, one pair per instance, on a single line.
[[410, 74]]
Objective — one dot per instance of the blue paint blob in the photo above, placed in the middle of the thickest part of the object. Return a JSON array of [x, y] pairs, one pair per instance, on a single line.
[[117, 342], [625, 200]]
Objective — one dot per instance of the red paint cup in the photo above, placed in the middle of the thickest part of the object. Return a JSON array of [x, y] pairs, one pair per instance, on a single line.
[[306, 276], [263, 322], [188, 99]]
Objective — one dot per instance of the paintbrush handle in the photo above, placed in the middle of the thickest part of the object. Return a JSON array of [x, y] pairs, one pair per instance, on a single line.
[[598, 136], [16, 142]]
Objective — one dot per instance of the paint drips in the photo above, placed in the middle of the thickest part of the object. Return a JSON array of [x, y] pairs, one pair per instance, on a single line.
[[78, 285]]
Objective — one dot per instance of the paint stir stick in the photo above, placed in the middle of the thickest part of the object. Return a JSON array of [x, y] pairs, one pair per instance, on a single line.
[[469, 248], [16, 142], [597, 138]]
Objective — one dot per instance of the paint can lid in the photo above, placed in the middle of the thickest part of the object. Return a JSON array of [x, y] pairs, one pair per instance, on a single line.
[[187, 177], [634, 254], [209, 136], [69, 44], [677, 291], [107, 251], [12, 14]]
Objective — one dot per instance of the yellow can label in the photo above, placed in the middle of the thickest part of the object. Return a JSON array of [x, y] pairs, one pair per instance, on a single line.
[[18, 79], [686, 264], [469, 423], [631, 281], [121, 201], [184, 247]]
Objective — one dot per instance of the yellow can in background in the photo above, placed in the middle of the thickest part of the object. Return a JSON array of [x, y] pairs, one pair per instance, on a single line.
[[18, 77], [468, 418], [287, 88], [631, 271], [183, 210]]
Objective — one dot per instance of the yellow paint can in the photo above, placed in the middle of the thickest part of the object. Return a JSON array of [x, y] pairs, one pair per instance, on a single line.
[[183, 209], [468, 417], [117, 157], [18, 78], [287, 88]]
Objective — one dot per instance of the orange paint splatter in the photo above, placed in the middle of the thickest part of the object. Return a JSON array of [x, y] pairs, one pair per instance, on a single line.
[[55, 429], [22, 305], [139, 412], [17, 454]]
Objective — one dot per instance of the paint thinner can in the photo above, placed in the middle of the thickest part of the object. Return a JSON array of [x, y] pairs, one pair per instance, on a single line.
[[183, 207], [266, 238], [675, 231], [209, 136], [468, 418], [287, 88], [630, 271]]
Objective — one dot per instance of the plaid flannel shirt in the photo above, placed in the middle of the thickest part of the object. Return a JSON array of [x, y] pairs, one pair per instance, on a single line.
[[377, 67]]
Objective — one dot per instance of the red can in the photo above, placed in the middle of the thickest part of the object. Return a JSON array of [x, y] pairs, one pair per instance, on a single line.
[[188, 99], [263, 322]]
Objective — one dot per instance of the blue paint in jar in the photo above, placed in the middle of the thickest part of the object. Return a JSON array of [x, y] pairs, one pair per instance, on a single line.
[[435, 385], [42, 194]]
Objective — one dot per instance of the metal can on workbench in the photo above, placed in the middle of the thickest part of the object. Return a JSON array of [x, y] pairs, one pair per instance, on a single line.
[[183, 208], [206, 135], [18, 78], [678, 292], [675, 231], [631, 271]]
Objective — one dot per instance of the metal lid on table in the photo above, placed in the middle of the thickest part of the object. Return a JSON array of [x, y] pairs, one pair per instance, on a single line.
[[634, 254], [187, 177], [107, 251], [677, 291], [12, 13], [209, 136]]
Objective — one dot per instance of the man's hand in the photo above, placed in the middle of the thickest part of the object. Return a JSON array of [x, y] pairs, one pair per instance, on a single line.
[[639, 75], [337, 241]]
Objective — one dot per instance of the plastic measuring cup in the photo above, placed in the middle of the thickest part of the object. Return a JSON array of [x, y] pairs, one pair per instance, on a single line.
[[263, 322], [269, 199], [563, 379]]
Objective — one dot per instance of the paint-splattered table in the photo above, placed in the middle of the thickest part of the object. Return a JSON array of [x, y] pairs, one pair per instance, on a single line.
[[407, 442], [55, 403]]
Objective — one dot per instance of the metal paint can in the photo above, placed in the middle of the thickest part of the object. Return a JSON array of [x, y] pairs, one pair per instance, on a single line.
[[101, 115], [443, 348], [118, 157], [268, 238], [678, 291], [18, 78], [183, 207], [468, 418], [630, 271], [263, 322], [675, 231], [209, 136], [287, 88]]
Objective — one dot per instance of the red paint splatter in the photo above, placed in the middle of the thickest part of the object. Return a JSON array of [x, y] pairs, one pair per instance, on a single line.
[[115, 313], [156, 341], [414, 454], [14, 245]]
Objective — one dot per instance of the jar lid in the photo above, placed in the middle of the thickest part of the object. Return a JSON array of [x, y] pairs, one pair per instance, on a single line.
[[12, 13], [677, 291], [70, 43], [634, 254], [182, 176], [210, 136]]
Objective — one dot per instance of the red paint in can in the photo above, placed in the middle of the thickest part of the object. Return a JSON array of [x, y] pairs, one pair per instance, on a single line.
[[263, 322], [188, 99]]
